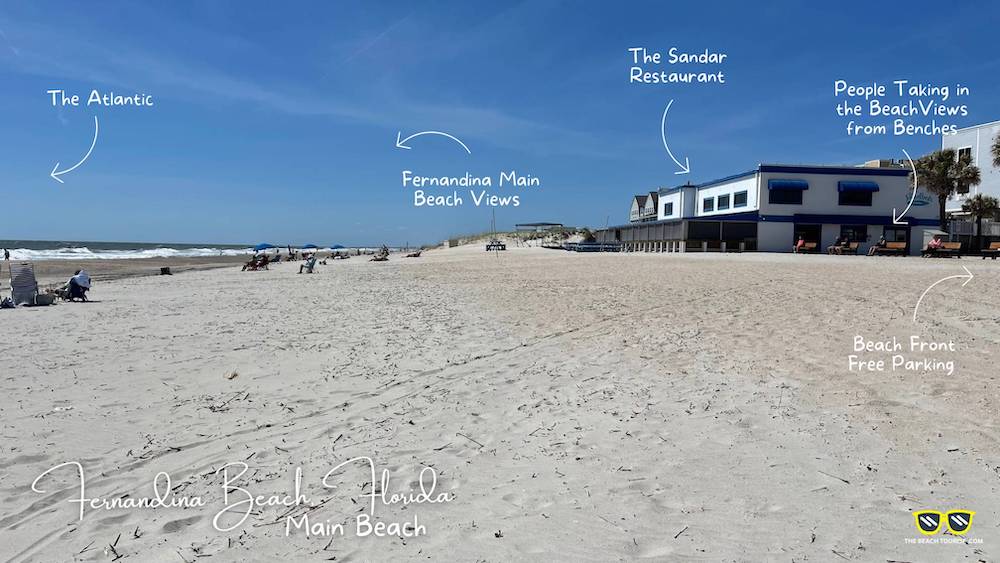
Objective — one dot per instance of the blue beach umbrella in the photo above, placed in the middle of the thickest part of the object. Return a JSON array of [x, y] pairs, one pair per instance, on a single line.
[[309, 246], [263, 246], [336, 246]]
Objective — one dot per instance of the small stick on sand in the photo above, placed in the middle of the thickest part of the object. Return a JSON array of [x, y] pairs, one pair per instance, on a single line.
[[835, 477], [678, 534], [481, 445]]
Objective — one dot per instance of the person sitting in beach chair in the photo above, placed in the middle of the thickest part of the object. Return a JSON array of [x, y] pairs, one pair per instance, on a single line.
[[78, 286], [414, 254], [308, 266]]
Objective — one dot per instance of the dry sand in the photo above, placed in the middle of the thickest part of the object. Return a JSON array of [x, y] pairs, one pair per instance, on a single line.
[[578, 407]]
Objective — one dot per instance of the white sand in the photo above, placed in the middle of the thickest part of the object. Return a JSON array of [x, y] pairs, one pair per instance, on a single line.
[[613, 407]]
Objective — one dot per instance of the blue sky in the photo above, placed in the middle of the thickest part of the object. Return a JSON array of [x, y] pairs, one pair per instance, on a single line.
[[278, 122]]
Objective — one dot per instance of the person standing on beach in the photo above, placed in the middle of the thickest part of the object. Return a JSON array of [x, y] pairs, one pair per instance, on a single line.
[[6, 255]]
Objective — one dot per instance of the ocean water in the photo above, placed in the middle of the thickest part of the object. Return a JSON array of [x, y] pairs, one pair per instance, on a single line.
[[92, 250]]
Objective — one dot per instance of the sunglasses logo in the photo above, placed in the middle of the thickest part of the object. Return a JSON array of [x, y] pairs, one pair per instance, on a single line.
[[929, 521]]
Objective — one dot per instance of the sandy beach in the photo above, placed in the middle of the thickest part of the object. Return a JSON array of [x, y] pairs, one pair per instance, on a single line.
[[587, 407]]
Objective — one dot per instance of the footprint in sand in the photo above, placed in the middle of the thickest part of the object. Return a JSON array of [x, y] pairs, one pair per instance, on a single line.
[[177, 525]]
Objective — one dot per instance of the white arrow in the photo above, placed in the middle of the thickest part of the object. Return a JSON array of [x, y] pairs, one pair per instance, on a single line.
[[967, 275], [896, 220], [55, 175], [401, 143], [684, 168]]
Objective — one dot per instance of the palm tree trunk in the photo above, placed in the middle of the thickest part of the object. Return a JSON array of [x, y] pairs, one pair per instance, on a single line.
[[942, 200], [979, 232]]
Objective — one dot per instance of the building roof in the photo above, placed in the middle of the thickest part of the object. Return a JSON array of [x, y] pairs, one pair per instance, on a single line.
[[988, 124], [641, 199], [798, 169], [655, 196]]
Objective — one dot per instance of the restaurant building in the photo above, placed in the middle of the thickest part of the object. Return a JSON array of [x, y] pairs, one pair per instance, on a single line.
[[770, 207]]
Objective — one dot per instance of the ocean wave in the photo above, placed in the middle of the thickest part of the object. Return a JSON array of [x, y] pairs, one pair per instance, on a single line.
[[84, 253]]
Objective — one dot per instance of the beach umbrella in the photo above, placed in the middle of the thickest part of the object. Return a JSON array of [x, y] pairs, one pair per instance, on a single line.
[[337, 246], [309, 246], [263, 246]]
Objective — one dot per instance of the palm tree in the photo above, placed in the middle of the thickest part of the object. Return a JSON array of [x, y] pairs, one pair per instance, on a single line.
[[996, 151], [941, 173], [980, 206]]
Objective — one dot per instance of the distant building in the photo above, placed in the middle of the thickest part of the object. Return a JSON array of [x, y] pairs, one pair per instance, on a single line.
[[975, 142], [644, 207], [770, 207], [537, 227]]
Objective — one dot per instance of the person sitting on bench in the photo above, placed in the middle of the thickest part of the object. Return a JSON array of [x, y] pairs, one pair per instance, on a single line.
[[838, 246], [876, 246], [798, 245]]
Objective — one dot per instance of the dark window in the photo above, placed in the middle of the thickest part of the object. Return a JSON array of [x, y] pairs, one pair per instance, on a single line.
[[723, 202], [704, 230], [668, 208], [740, 199], [854, 233], [894, 235], [738, 231], [856, 197], [708, 204], [786, 197]]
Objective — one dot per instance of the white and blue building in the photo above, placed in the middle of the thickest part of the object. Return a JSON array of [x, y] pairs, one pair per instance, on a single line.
[[770, 207]]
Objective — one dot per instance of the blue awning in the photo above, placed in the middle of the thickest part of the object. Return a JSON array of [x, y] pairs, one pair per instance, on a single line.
[[787, 185], [857, 187]]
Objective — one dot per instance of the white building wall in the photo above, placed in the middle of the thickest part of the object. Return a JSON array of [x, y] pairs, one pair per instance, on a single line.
[[774, 237], [675, 199], [822, 198], [979, 139], [748, 185]]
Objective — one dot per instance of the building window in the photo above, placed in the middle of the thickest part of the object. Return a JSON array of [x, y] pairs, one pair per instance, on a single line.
[[668, 208], [856, 197], [785, 197], [854, 233], [892, 234], [965, 153], [708, 204], [723, 202], [740, 199]]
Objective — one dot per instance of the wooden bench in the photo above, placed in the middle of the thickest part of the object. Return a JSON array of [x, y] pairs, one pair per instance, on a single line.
[[946, 250], [806, 247], [993, 251], [851, 248], [495, 245], [891, 249]]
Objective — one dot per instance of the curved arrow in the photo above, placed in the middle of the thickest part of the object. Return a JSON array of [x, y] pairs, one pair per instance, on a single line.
[[401, 144], [684, 168], [55, 175], [967, 275], [895, 219]]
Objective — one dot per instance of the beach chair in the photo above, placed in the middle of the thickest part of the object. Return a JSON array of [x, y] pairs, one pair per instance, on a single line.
[[993, 251], [23, 286], [414, 254]]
